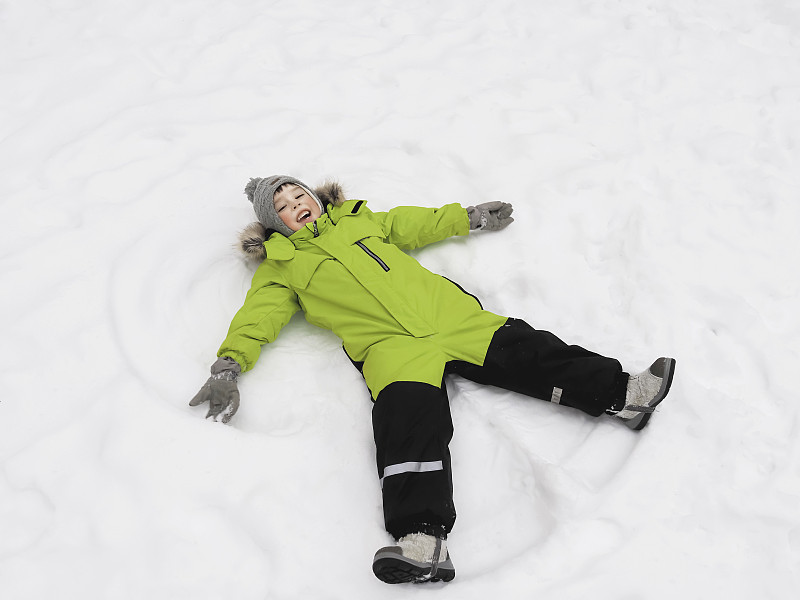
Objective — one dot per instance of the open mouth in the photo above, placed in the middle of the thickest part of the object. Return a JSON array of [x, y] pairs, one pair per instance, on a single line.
[[304, 216]]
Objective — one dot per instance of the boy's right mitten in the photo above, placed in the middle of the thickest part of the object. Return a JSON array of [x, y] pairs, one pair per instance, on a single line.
[[220, 390], [491, 216]]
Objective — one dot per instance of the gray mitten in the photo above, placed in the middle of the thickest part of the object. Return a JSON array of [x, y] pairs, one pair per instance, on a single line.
[[491, 216], [220, 390]]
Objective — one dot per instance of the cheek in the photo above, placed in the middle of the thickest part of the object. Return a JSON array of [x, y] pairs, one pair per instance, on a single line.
[[287, 220]]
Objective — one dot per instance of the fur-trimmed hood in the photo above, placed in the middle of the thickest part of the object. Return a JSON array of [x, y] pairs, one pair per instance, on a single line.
[[252, 238]]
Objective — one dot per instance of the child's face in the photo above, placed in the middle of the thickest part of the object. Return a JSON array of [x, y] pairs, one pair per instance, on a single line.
[[296, 207]]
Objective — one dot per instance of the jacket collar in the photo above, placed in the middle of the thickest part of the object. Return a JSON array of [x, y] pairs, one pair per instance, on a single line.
[[279, 247]]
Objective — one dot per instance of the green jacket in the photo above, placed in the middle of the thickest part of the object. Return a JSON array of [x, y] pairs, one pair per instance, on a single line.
[[347, 271]]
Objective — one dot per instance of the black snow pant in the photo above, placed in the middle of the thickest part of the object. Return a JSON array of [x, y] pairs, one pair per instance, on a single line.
[[413, 428]]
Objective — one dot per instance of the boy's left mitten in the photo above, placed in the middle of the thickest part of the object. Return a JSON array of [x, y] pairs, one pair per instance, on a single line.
[[491, 216], [220, 390]]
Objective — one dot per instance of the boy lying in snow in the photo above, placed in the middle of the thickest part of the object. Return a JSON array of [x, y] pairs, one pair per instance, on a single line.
[[405, 328]]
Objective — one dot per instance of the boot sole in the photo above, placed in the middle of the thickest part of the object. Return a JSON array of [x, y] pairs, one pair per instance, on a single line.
[[391, 567], [638, 423]]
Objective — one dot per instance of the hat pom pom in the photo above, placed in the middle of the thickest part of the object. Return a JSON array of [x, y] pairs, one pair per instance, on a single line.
[[250, 188]]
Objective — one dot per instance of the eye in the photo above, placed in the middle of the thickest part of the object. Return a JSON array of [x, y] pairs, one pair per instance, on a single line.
[[298, 196], [281, 208]]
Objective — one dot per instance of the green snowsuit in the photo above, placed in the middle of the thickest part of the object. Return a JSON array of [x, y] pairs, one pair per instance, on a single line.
[[347, 271]]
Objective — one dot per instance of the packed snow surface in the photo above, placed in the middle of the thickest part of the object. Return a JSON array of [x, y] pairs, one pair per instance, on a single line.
[[650, 150]]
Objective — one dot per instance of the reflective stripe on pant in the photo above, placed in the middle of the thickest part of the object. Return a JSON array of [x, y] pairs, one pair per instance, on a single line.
[[412, 467], [412, 427]]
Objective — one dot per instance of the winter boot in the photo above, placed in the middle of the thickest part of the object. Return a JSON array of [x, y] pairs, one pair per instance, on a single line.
[[645, 391], [417, 558]]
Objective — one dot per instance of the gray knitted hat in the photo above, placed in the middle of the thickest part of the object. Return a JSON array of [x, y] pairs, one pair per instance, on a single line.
[[261, 191]]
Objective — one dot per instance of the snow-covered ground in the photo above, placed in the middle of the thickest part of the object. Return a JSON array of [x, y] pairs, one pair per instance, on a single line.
[[651, 152]]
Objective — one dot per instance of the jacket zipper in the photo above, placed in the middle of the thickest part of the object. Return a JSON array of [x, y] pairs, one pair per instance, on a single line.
[[316, 231], [373, 255]]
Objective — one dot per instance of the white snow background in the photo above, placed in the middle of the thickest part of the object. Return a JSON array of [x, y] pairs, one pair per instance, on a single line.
[[651, 152]]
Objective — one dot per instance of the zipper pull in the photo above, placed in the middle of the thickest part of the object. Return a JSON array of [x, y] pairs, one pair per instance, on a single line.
[[316, 231]]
